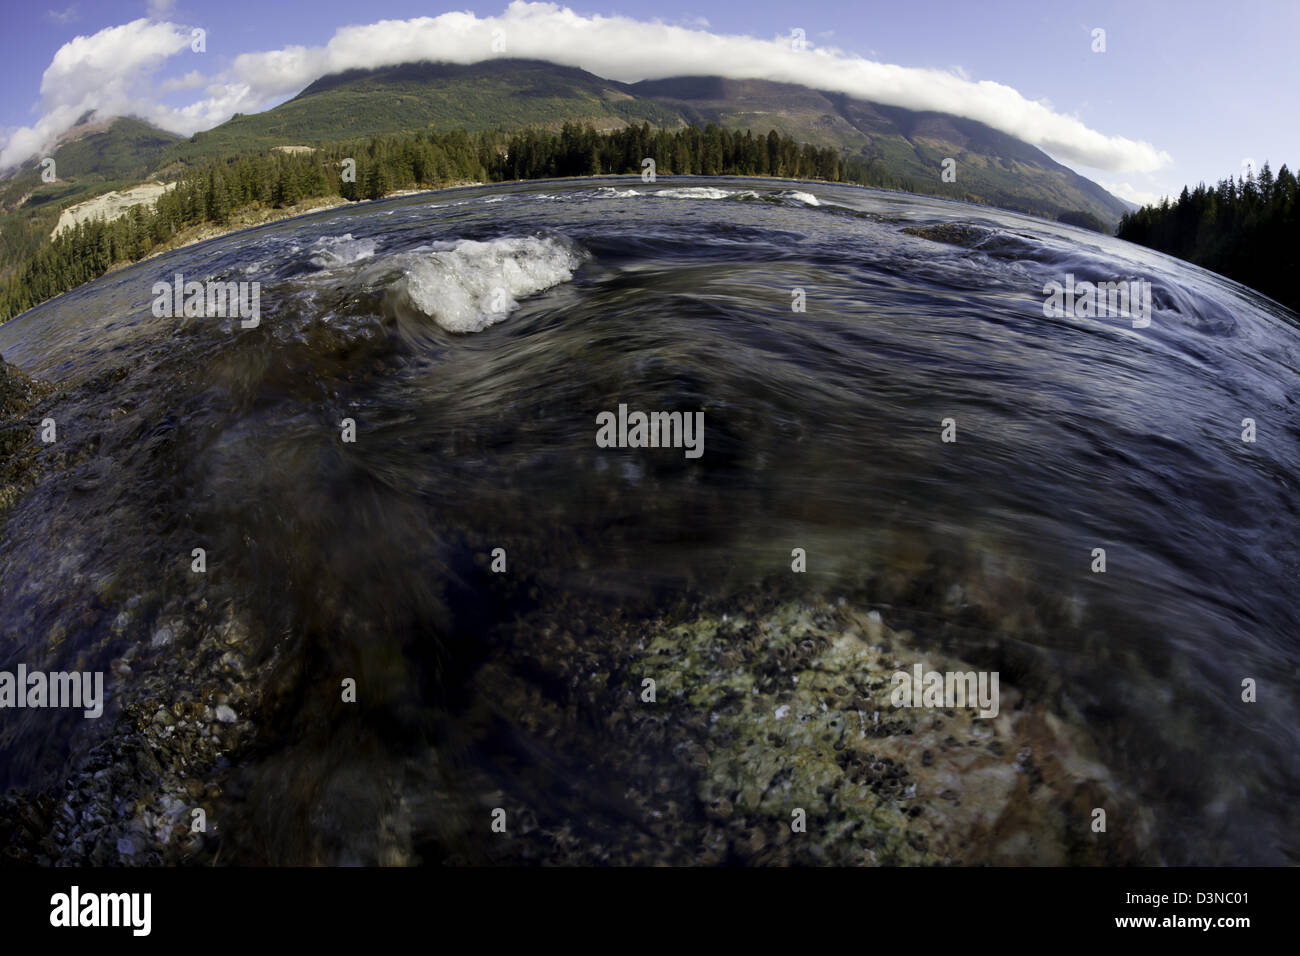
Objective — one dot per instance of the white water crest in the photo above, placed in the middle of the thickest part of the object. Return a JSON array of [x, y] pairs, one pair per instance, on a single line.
[[467, 286], [795, 195], [704, 192], [331, 252], [613, 192]]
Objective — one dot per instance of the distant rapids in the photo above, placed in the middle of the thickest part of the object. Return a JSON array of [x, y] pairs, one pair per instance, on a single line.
[[830, 336]]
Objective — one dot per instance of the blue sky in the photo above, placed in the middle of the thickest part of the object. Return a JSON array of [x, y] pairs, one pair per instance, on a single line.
[[1183, 92]]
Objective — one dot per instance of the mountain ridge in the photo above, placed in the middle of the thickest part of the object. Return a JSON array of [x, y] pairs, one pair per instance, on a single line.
[[903, 148], [515, 94]]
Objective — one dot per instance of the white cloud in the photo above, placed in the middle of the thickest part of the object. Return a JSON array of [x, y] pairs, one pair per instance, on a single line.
[[615, 47], [110, 72], [63, 17], [1133, 194], [192, 80]]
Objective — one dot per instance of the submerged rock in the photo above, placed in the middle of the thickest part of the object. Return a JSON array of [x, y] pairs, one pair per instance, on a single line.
[[18, 392], [993, 242], [18, 445], [951, 233], [767, 710], [879, 783], [778, 709]]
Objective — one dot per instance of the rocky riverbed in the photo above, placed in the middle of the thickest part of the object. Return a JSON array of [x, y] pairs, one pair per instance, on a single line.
[[767, 709], [349, 678]]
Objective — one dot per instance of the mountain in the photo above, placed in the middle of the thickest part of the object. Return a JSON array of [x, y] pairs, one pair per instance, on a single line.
[[96, 151], [992, 167], [511, 95], [91, 158], [499, 94], [94, 157]]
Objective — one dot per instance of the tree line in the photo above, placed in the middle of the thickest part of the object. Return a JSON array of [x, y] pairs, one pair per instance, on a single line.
[[1247, 229], [216, 192]]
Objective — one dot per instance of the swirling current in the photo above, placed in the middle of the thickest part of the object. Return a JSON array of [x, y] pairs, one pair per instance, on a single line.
[[904, 460]]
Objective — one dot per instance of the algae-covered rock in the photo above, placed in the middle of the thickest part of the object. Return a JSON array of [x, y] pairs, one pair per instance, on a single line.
[[17, 391], [800, 717], [18, 446], [772, 739], [951, 233]]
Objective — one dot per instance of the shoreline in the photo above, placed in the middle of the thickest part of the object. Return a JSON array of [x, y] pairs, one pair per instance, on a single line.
[[251, 219], [241, 221]]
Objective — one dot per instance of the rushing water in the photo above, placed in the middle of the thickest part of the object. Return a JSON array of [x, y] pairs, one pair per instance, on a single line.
[[475, 422]]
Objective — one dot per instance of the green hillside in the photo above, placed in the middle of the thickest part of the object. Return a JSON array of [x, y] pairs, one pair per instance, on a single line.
[[475, 111], [509, 95], [992, 167], [495, 95], [94, 158]]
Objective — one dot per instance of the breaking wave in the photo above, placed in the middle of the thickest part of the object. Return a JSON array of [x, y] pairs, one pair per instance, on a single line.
[[468, 285], [705, 192], [332, 252]]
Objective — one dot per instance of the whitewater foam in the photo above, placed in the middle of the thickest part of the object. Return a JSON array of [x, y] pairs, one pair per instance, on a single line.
[[795, 195], [331, 252], [612, 192], [704, 192], [467, 286]]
